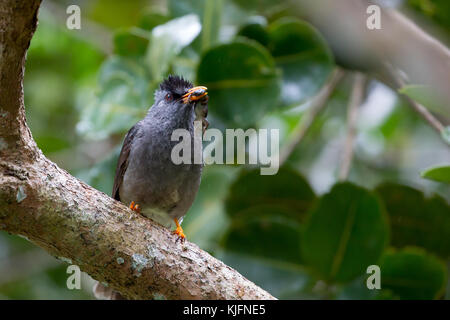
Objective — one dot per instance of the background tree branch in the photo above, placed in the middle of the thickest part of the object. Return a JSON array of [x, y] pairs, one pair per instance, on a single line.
[[73, 221], [356, 98], [318, 103], [399, 43]]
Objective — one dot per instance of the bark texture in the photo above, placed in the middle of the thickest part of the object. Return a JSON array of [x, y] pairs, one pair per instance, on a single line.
[[75, 222], [136, 257]]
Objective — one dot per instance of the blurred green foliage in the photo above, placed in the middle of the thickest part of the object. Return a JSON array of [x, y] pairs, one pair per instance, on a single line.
[[298, 234], [413, 268], [346, 232], [436, 10]]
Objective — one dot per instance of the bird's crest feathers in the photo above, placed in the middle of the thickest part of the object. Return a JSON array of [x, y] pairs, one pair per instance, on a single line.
[[175, 84]]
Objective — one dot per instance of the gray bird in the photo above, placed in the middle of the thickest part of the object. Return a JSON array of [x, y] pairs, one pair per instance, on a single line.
[[146, 177]]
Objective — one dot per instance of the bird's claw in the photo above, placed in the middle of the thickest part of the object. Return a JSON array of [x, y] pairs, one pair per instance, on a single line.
[[179, 232], [135, 207], [180, 235]]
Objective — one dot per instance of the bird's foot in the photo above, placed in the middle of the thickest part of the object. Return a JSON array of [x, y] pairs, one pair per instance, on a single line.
[[135, 207], [180, 235], [179, 232]]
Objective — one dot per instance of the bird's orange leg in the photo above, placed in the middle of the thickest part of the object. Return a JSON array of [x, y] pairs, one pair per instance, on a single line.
[[179, 231], [135, 207]]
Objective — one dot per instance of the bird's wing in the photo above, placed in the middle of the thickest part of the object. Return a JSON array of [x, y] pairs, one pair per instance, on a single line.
[[122, 163]]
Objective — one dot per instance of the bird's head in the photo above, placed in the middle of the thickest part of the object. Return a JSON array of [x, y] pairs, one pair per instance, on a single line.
[[177, 95]]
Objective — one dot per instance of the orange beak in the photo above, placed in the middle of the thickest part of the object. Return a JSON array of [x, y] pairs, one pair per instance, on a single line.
[[194, 94]]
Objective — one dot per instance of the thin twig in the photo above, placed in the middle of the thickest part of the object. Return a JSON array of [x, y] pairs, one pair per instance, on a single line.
[[424, 113], [417, 107], [355, 101], [305, 123]]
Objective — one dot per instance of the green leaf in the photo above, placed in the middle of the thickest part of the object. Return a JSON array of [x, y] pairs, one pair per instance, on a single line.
[[255, 31], [267, 232], [210, 13], [304, 57], [346, 232], [131, 42], [415, 220], [438, 173], [242, 82], [124, 97], [426, 96], [300, 51], [266, 212], [287, 190], [357, 290], [413, 274], [151, 19], [167, 41]]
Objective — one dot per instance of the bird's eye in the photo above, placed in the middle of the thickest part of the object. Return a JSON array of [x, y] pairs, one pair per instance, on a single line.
[[168, 97]]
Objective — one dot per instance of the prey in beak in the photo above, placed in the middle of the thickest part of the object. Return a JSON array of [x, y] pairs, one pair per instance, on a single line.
[[198, 94], [195, 94]]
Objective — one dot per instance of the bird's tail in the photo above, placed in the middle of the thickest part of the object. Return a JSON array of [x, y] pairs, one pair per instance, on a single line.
[[101, 292]]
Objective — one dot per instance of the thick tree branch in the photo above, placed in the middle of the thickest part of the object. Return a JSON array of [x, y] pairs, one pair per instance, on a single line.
[[18, 21], [136, 257], [71, 220]]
